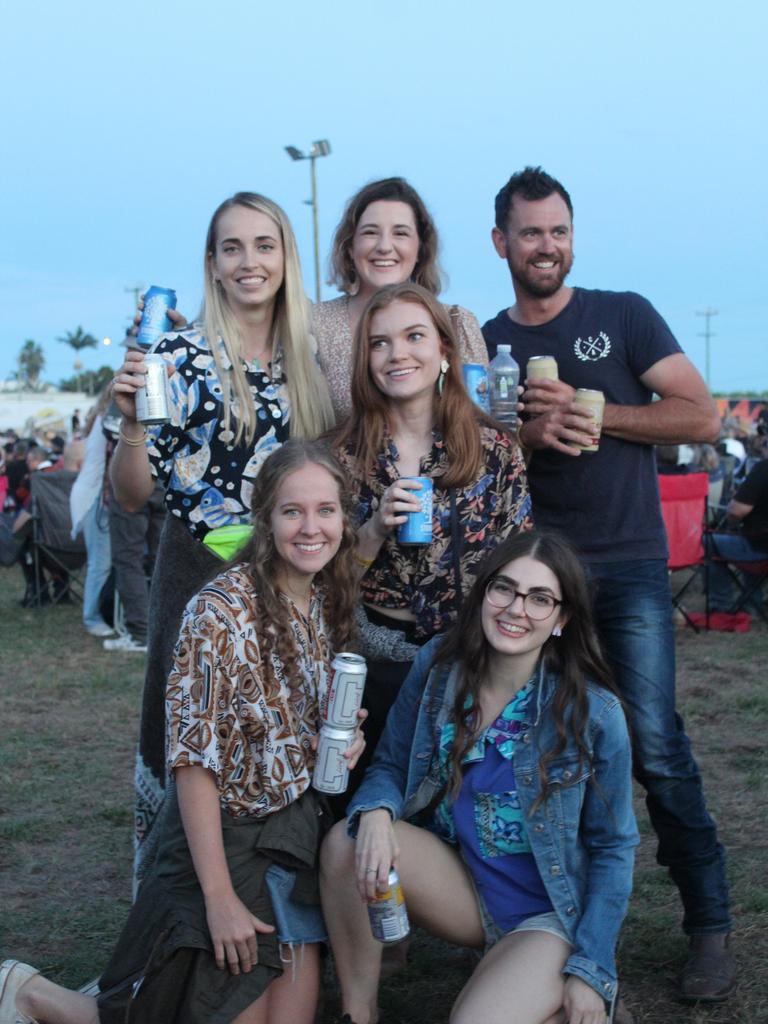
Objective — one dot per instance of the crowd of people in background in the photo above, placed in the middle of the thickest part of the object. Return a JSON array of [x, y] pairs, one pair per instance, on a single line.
[[505, 654]]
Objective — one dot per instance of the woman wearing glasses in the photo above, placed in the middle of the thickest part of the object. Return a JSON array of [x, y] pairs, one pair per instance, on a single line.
[[501, 793]]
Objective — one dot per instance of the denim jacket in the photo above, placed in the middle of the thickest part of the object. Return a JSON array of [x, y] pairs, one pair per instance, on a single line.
[[582, 837]]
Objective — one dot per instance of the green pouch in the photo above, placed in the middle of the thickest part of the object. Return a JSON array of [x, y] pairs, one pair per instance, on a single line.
[[226, 541]]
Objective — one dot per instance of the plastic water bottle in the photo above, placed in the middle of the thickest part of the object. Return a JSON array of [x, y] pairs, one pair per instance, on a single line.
[[504, 376]]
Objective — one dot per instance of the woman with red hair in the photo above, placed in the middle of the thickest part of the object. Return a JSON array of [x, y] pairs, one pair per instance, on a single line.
[[412, 417]]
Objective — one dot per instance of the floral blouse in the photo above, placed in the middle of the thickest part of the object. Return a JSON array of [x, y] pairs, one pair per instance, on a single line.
[[231, 710], [330, 326], [421, 578], [209, 478]]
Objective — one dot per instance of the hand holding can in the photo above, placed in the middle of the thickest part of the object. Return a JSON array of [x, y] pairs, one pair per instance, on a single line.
[[417, 529], [388, 914]]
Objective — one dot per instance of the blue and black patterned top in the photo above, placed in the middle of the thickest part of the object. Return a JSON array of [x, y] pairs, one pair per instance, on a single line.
[[208, 477]]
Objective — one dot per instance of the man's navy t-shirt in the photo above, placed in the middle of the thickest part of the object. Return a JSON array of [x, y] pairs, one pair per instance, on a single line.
[[606, 502]]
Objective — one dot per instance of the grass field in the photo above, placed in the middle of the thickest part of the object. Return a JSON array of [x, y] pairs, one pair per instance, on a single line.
[[69, 719]]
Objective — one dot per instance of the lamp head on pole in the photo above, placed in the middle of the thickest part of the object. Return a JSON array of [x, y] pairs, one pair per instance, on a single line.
[[321, 147]]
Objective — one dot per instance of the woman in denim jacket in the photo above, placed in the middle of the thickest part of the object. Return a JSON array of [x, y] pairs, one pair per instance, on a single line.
[[501, 793]]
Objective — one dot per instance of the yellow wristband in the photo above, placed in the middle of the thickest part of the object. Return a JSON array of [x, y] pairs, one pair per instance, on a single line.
[[131, 442], [366, 563]]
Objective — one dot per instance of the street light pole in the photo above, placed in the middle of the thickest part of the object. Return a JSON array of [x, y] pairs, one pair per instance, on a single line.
[[321, 147]]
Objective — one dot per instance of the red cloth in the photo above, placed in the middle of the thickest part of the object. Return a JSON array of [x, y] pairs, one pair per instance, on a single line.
[[723, 622], [683, 506]]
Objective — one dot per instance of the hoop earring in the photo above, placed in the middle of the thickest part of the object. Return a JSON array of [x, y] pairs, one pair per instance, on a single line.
[[444, 367]]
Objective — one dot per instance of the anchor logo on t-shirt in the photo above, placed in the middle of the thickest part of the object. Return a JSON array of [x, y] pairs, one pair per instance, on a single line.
[[591, 349]]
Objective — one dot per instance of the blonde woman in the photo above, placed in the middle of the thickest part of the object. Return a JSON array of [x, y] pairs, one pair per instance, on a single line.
[[243, 379], [386, 236]]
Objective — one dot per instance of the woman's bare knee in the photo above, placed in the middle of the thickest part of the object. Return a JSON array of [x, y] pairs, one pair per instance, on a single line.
[[337, 851]]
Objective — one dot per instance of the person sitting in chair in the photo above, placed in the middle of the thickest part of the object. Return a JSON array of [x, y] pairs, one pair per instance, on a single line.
[[746, 539]]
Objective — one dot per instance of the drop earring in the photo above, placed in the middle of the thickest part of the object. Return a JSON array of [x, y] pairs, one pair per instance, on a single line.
[[444, 367], [557, 631]]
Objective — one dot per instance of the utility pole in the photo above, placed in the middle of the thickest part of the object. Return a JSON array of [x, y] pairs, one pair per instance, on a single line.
[[706, 334]]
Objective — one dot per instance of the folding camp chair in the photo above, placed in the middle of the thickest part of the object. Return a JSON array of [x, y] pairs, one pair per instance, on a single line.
[[684, 508], [748, 577], [52, 547]]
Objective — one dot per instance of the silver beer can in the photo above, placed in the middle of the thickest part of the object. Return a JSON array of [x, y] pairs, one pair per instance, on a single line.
[[344, 694], [387, 912], [152, 400], [331, 774]]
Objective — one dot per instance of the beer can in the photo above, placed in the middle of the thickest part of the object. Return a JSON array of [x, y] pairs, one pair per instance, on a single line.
[[331, 773], [476, 382], [541, 368], [152, 400], [595, 402], [344, 694], [417, 529], [154, 318], [387, 912]]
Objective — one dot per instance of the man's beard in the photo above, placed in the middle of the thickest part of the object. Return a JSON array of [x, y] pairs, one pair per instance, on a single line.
[[537, 289]]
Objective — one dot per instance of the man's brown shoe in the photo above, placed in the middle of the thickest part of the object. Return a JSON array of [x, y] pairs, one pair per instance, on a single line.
[[709, 975]]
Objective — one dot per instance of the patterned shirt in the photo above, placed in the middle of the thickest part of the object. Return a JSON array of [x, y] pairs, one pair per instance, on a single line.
[[209, 478], [331, 328], [231, 710], [421, 578], [486, 819]]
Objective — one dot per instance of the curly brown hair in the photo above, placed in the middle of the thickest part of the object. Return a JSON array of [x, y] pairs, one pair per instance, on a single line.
[[338, 578]]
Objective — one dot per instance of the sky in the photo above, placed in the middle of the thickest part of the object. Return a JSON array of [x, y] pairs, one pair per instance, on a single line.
[[124, 126]]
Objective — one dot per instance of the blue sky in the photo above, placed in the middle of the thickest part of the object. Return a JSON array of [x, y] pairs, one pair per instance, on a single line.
[[124, 126]]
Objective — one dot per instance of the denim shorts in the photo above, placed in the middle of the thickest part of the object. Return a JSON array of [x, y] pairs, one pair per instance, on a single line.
[[297, 923]]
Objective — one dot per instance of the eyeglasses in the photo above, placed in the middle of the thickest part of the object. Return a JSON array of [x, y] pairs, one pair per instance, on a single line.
[[536, 603]]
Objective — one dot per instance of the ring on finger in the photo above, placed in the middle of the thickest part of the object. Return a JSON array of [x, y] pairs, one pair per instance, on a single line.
[[370, 871]]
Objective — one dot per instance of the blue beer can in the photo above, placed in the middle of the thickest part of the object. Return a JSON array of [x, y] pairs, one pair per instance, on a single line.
[[476, 383], [417, 529], [154, 319]]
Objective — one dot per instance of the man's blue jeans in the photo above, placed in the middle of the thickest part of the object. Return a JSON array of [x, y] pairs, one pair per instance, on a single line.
[[633, 610]]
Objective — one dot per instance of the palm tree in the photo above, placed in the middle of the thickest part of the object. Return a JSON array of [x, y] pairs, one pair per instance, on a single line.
[[31, 360], [78, 339]]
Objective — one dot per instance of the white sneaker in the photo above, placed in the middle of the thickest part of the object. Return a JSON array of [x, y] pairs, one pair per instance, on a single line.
[[125, 643], [100, 629]]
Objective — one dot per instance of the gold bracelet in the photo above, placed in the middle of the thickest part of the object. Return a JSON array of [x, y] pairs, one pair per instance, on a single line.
[[366, 563], [131, 442]]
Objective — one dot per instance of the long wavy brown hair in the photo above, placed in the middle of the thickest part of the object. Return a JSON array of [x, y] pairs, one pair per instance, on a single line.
[[337, 578], [455, 415], [575, 657]]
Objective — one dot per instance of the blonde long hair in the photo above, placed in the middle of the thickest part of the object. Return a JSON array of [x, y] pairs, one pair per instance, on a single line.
[[310, 404]]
